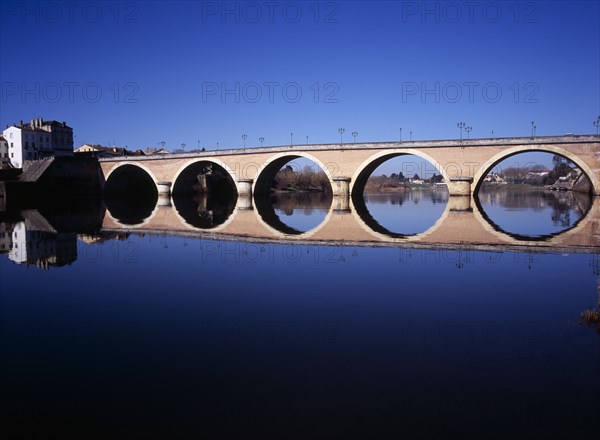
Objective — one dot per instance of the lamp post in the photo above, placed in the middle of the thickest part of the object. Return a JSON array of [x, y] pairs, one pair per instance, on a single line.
[[306, 140], [410, 133], [198, 144], [291, 139], [468, 130], [341, 132], [261, 139], [244, 137], [183, 145], [217, 145], [533, 127], [400, 134], [597, 125], [354, 134], [460, 126]]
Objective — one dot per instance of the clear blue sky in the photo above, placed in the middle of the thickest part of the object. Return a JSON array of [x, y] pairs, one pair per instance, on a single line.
[[137, 73]]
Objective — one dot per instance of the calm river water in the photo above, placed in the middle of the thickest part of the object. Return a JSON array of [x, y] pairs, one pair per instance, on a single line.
[[124, 334]]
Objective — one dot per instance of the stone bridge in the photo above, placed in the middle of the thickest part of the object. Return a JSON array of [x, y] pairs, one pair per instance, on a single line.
[[463, 164]]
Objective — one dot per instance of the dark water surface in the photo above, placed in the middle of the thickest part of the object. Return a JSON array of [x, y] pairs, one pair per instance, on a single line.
[[129, 335]]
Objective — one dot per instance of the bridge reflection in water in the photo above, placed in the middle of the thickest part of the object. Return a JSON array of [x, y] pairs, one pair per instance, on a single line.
[[463, 223], [48, 237]]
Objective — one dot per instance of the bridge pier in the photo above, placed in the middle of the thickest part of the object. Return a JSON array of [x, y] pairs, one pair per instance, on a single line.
[[341, 194], [341, 186], [244, 202], [460, 186], [340, 204], [460, 204], [244, 187], [164, 188], [164, 200]]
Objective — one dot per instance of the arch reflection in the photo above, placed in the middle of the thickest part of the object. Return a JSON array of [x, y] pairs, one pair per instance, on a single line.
[[534, 214], [401, 215], [130, 210], [205, 210], [293, 214]]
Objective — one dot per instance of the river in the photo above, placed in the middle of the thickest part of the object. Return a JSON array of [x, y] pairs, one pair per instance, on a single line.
[[108, 332]]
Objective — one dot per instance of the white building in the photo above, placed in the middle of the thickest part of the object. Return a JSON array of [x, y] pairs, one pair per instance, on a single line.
[[37, 140], [41, 248], [3, 150]]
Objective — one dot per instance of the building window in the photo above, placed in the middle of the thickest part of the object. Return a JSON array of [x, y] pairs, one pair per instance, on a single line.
[[11, 145]]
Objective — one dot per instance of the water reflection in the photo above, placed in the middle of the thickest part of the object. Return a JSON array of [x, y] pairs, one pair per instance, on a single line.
[[131, 209], [531, 213], [556, 220], [205, 210], [294, 213], [30, 239], [402, 214]]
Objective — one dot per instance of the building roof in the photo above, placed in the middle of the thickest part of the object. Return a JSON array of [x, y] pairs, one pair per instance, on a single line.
[[38, 124]]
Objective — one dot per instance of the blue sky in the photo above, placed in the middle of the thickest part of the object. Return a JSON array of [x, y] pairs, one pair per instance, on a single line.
[[137, 73]]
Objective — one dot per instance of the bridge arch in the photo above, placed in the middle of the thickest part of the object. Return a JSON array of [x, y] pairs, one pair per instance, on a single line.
[[365, 169], [496, 159], [130, 178], [269, 169], [132, 164], [230, 173]]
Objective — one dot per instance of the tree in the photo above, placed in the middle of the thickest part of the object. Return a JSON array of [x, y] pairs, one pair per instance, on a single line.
[[558, 161], [436, 178]]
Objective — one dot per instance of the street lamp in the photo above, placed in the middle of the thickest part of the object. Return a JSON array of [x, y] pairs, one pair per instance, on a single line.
[[460, 126], [291, 139], [410, 135], [261, 139], [400, 134], [533, 127], [468, 130], [183, 147], [341, 132], [354, 134], [217, 145], [597, 125], [306, 140], [244, 136]]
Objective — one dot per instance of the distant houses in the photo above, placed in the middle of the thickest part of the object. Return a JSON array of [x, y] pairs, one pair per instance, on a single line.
[[96, 150], [494, 178], [153, 151], [101, 151], [34, 140]]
